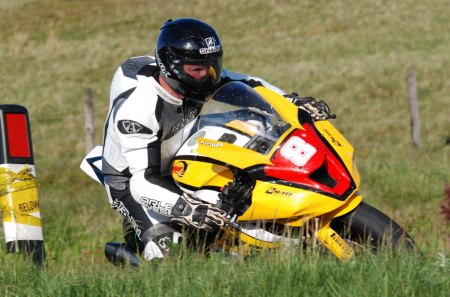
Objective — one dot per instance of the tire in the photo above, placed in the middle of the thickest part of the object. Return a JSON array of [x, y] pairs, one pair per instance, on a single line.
[[368, 228]]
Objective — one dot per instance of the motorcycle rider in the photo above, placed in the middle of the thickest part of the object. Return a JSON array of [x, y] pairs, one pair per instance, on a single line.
[[153, 104]]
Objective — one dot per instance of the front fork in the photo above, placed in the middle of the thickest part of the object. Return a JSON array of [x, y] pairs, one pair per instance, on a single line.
[[330, 238], [333, 241]]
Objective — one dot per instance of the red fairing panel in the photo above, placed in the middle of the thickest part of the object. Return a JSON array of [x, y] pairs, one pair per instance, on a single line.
[[305, 159]]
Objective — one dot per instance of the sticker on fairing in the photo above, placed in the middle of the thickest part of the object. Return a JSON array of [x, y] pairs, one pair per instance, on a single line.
[[298, 151]]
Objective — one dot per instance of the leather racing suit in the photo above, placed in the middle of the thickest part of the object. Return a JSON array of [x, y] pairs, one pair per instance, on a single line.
[[143, 131]]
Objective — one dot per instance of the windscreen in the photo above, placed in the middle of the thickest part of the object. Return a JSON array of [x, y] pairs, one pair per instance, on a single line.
[[241, 116]]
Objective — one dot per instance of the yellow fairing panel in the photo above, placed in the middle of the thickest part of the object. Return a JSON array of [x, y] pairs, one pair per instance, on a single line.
[[287, 110], [271, 201], [231, 154], [199, 174]]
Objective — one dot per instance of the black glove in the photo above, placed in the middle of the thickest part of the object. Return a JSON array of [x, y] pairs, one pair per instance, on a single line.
[[319, 110], [191, 211], [236, 198]]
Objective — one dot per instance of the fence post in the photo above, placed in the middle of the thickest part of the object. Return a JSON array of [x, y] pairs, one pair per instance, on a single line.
[[414, 106], [89, 120]]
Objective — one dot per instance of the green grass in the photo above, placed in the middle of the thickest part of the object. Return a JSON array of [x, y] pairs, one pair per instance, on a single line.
[[274, 274], [353, 54]]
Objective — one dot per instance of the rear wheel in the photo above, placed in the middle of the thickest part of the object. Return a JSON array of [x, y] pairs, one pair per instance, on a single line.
[[368, 228]]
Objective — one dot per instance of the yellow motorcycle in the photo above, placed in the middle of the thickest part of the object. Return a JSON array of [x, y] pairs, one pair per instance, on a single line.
[[282, 177]]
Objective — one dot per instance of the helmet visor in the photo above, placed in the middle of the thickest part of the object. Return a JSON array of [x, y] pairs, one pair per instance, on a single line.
[[197, 76]]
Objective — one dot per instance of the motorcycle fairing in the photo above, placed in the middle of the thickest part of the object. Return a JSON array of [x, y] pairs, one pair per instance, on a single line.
[[286, 203], [193, 173], [343, 150], [315, 167], [215, 149]]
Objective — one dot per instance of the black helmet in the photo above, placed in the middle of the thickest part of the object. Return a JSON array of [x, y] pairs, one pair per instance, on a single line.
[[189, 41]]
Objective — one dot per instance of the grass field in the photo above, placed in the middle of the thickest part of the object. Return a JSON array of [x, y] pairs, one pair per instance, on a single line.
[[353, 54]]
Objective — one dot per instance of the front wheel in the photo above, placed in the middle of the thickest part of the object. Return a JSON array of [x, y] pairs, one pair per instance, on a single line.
[[367, 227]]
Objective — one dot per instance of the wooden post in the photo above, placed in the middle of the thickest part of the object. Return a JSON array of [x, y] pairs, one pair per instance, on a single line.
[[414, 106], [89, 120]]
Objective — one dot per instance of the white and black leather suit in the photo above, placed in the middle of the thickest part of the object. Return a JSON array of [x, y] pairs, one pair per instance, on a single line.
[[144, 129]]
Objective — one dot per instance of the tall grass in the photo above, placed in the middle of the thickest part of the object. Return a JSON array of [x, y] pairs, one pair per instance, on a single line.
[[353, 54], [291, 273]]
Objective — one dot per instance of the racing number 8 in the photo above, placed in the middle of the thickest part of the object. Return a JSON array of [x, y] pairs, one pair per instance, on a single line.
[[298, 151]]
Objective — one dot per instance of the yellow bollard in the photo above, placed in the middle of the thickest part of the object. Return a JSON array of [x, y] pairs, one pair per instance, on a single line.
[[18, 185]]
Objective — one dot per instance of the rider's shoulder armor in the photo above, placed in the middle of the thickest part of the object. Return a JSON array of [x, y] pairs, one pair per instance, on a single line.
[[125, 78], [144, 65]]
